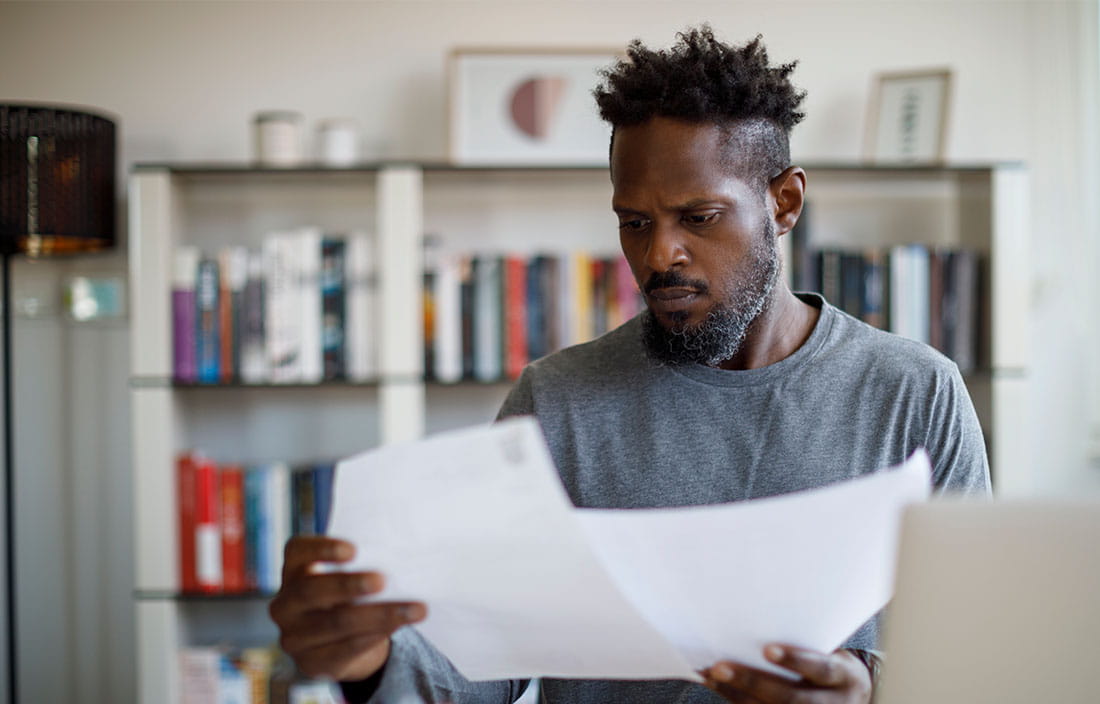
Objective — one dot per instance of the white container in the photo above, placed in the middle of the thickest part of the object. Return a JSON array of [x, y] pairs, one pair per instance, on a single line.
[[278, 138], [337, 142]]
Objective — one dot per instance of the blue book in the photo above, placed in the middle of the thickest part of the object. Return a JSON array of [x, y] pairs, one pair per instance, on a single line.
[[254, 509], [322, 495], [207, 288]]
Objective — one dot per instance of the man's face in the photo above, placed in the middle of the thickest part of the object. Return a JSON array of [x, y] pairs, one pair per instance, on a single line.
[[699, 239]]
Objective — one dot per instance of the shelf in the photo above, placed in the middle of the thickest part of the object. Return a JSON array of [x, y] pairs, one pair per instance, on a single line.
[[156, 382], [188, 597]]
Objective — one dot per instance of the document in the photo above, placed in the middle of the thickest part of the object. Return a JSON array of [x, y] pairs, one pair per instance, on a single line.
[[519, 583]]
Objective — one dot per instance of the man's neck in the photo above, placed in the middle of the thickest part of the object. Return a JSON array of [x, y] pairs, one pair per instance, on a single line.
[[782, 328]]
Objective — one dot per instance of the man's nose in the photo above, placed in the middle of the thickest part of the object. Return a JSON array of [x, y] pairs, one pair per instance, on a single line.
[[666, 248]]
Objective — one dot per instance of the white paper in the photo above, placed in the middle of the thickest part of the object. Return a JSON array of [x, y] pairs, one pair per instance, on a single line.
[[521, 584], [476, 524]]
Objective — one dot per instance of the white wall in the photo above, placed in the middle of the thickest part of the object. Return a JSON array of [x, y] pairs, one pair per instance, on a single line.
[[185, 79]]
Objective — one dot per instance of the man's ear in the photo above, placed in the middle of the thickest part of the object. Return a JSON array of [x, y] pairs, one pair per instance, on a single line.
[[786, 192]]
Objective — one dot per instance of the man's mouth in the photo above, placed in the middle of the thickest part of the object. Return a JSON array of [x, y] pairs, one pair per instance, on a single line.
[[671, 299]]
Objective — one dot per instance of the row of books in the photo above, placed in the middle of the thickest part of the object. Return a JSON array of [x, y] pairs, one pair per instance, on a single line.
[[234, 521], [929, 294], [488, 315], [255, 675], [297, 310]]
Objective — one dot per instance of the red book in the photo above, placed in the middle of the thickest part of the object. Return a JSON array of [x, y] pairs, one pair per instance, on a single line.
[[232, 528], [225, 321], [208, 544], [185, 498], [515, 321]]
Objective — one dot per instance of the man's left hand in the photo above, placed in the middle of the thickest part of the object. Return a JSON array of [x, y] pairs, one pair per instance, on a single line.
[[826, 678]]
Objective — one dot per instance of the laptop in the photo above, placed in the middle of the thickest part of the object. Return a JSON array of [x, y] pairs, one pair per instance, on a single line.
[[995, 602]]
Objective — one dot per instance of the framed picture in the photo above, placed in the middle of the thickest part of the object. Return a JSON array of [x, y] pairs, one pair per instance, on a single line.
[[908, 117], [523, 107]]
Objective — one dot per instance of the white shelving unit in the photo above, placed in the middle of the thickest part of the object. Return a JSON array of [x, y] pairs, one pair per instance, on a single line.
[[522, 209]]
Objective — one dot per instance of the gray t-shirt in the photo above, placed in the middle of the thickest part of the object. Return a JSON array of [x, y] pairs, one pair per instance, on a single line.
[[628, 432]]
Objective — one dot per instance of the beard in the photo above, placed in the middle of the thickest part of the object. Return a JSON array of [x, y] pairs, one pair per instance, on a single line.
[[720, 335]]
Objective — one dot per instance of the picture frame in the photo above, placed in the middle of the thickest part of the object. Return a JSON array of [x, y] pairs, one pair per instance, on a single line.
[[907, 120], [527, 107]]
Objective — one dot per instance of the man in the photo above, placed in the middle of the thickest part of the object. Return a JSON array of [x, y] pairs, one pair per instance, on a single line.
[[728, 387]]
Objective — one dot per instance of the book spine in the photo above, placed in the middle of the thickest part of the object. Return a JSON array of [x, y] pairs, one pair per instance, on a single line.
[[208, 545], [874, 288], [920, 295], [308, 241], [253, 525], [536, 308], [851, 283], [253, 352], [322, 496], [600, 298], [515, 315], [360, 307], [447, 321], [581, 279], [333, 307], [184, 345], [967, 296], [186, 485], [899, 284], [630, 299], [278, 510], [207, 307], [282, 316], [937, 293], [552, 307], [200, 670], [232, 529], [226, 340], [487, 319], [303, 499], [831, 276], [467, 287]]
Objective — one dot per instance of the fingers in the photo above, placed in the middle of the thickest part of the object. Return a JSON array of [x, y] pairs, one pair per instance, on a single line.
[[304, 550], [821, 669], [318, 629], [741, 683], [310, 592], [344, 660]]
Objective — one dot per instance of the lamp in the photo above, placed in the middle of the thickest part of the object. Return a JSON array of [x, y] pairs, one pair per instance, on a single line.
[[57, 196]]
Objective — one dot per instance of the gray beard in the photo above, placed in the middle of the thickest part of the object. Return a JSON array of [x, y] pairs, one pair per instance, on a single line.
[[720, 336]]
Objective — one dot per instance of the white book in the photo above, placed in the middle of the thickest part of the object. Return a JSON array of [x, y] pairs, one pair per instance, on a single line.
[[282, 314], [899, 291], [361, 316], [308, 240], [277, 496], [447, 333], [488, 351], [565, 322], [920, 293], [200, 671]]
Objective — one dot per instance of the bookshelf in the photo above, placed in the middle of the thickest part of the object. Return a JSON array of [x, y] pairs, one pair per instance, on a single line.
[[524, 209]]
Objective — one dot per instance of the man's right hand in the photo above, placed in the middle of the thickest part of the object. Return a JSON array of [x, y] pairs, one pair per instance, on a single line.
[[320, 625]]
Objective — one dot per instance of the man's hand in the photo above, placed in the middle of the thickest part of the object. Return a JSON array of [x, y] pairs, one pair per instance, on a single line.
[[320, 625], [836, 678]]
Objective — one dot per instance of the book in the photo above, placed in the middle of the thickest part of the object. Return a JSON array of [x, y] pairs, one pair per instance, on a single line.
[[282, 308], [851, 283], [207, 287], [515, 316], [875, 287], [233, 271], [830, 267], [322, 495], [361, 318], [208, 543], [333, 308], [965, 267], [278, 524], [253, 354], [488, 319], [466, 294], [257, 665], [184, 309], [200, 672], [626, 291], [232, 528], [185, 505], [581, 280], [303, 501], [307, 242], [255, 526], [447, 322]]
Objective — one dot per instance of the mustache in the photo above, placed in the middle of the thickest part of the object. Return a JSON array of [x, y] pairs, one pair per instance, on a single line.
[[673, 279]]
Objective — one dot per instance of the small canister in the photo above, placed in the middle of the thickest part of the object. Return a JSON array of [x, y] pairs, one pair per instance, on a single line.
[[278, 138], [337, 142]]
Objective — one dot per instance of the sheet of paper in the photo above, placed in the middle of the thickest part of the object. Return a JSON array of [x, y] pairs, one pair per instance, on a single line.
[[722, 581], [521, 584], [477, 525]]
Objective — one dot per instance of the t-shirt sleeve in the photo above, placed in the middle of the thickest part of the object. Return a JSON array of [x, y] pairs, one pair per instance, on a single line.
[[520, 400], [417, 672], [955, 442]]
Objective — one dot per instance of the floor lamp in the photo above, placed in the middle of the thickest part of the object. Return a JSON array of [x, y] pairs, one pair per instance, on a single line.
[[57, 196]]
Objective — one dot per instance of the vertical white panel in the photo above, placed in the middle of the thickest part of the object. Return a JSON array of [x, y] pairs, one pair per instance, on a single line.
[[399, 264], [152, 205], [156, 550], [1010, 266], [158, 645], [1010, 440]]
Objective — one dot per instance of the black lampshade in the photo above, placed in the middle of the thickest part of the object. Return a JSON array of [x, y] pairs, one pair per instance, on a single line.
[[57, 181]]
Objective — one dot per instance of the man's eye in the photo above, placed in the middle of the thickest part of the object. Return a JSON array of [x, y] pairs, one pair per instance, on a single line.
[[700, 218], [635, 224]]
